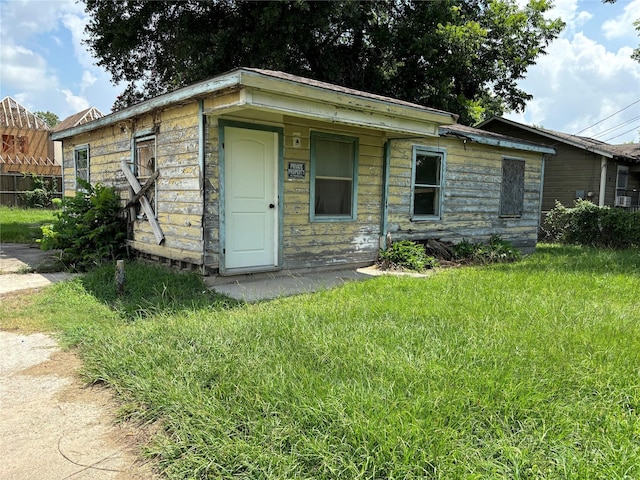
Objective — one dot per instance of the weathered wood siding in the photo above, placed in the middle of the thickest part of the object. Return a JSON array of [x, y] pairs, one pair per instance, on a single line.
[[179, 193], [308, 244], [471, 194], [320, 243]]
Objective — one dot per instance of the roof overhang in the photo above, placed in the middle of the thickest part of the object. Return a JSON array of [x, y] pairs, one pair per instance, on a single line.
[[497, 141], [543, 133], [294, 96]]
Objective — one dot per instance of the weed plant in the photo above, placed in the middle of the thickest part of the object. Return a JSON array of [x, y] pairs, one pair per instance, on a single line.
[[512, 370]]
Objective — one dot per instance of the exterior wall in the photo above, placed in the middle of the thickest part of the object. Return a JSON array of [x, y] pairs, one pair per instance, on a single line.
[[178, 188], [322, 243], [471, 194], [307, 244]]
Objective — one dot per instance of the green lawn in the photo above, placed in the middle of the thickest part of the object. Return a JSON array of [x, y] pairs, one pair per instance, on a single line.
[[526, 370], [22, 225]]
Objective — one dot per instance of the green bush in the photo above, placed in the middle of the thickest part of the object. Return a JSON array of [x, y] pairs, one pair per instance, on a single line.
[[590, 225], [89, 230], [406, 254], [497, 250], [42, 194]]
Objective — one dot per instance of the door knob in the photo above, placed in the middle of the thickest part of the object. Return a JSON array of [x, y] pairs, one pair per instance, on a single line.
[[271, 205]]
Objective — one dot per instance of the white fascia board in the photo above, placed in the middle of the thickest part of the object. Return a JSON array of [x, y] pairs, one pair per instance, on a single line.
[[513, 144], [312, 108], [364, 104], [168, 99]]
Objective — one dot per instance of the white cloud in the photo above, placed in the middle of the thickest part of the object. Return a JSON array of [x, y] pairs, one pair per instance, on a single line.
[[88, 79], [568, 11], [24, 68], [45, 66], [622, 25], [579, 83], [75, 24], [76, 102]]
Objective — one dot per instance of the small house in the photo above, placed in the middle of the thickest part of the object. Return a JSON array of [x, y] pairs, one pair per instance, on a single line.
[[255, 170], [583, 168]]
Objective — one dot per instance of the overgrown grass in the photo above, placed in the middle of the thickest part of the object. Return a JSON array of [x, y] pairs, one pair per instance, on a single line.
[[22, 225], [525, 370]]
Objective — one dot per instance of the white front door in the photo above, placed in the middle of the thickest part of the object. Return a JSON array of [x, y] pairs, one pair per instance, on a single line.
[[250, 199]]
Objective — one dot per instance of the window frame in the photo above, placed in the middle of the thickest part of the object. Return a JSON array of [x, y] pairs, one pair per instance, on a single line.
[[354, 141], [139, 137], [76, 150], [624, 169], [501, 206], [441, 153], [8, 144]]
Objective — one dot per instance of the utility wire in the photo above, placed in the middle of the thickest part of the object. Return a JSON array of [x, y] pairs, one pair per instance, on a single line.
[[607, 118], [637, 127], [615, 127]]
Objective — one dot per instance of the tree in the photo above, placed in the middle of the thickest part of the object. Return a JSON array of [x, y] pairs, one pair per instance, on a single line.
[[463, 56], [49, 118]]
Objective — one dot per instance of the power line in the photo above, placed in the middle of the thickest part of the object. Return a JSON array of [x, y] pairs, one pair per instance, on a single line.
[[615, 127], [607, 118], [637, 127]]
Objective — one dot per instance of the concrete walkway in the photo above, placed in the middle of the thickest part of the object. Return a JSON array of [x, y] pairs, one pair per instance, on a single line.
[[267, 286], [17, 259]]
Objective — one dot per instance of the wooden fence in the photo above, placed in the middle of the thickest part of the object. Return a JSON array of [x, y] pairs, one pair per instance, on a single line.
[[14, 185]]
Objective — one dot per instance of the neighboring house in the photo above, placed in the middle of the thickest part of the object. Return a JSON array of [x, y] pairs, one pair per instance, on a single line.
[[255, 170], [80, 118], [26, 147], [583, 168]]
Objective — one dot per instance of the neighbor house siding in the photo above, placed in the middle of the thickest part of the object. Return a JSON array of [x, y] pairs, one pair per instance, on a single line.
[[179, 198], [471, 194]]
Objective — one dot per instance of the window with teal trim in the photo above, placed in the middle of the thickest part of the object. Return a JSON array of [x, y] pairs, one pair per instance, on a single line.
[[333, 176], [427, 183], [81, 165]]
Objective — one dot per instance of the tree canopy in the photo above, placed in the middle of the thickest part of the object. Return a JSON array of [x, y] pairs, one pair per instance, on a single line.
[[462, 56], [49, 118]]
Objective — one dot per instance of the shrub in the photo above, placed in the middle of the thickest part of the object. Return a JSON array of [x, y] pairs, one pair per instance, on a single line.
[[42, 194], [406, 254], [497, 250], [90, 228], [590, 225]]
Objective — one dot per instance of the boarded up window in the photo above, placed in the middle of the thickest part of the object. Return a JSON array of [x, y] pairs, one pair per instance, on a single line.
[[144, 166], [512, 191]]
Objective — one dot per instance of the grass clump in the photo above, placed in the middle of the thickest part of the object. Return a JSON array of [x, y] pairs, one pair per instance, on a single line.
[[510, 370], [23, 225]]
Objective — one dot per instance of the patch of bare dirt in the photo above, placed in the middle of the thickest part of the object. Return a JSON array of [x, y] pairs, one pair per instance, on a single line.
[[55, 427]]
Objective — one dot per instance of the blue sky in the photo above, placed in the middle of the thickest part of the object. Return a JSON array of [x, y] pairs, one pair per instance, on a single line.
[[588, 74]]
